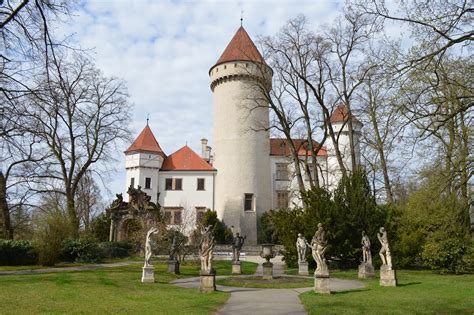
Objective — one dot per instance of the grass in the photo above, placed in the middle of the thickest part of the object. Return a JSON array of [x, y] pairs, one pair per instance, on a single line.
[[276, 283], [419, 292], [111, 290]]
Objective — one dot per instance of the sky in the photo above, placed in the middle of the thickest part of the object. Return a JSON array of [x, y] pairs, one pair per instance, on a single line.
[[164, 50]]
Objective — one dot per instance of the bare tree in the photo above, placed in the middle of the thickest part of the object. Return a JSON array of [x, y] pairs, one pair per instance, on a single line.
[[88, 200]]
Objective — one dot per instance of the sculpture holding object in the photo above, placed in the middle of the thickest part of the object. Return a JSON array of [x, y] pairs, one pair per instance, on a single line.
[[148, 247], [237, 244], [318, 246], [206, 250], [301, 246], [384, 253]]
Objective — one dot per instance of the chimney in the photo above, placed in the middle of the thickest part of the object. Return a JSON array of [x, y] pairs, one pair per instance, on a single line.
[[211, 159], [208, 153], [204, 149]]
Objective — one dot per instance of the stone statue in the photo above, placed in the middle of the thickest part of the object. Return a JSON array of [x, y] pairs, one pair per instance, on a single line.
[[206, 250], [237, 244], [366, 254], [301, 246], [148, 251], [385, 250], [319, 246]]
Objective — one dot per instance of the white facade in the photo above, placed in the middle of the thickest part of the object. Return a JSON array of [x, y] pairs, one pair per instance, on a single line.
[[140, 166]]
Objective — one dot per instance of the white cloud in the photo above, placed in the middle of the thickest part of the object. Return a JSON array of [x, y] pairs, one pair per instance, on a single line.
[[164, 49]]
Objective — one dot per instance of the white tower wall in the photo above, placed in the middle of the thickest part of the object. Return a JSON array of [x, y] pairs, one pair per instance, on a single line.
[[140, 165], [241, 144]]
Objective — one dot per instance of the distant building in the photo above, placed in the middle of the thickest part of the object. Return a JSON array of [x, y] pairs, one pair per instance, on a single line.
[[246, 173]]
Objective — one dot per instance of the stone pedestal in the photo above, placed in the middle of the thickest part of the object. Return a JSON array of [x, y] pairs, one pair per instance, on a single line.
[[366, 271], [303, 268], [208, 283], [173, 266], [267, 271], [236, 269], [148, 274], [388, 277], [321, 284]]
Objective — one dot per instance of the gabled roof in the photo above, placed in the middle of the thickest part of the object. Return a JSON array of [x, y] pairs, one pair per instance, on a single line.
[[240, 48], [279, 147], [146, 141], [185, 159], [341, 114]]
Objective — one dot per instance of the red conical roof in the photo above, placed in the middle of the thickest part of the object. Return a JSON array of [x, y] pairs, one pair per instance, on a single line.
[[341, 114], [146, 141], [241, 48], [185, 159]]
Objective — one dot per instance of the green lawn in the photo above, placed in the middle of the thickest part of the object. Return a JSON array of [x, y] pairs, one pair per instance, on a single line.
[[419, 292], [114, 290]]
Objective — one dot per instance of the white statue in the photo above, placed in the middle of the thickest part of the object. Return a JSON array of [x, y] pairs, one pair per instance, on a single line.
[[385, 250], [206, 250], [148, 252], [301, 245], [319, 246], [366, 254]]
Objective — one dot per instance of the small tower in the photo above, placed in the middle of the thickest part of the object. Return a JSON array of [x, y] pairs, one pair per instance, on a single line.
[[241, 136], [143, 160], [339, 121]]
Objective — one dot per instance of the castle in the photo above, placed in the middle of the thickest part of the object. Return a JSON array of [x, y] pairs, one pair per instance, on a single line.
[[247, 172]]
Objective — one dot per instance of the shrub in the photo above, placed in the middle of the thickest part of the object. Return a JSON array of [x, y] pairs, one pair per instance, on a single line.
[[222, 234], [52, 229], [115, 249], [80, 250], [100, 227], [15, 253]]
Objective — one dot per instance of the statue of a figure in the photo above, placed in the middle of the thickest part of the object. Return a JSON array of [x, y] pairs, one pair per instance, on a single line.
[[385, 250], [206, 250], [301, 245], [237, 244], [148, 251], [366, 254], [176, 243], [319, 246]]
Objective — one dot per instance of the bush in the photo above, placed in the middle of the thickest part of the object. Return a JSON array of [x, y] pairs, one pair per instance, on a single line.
[[80, 250], [52, 229], [15, 253], [100, 227], [115, 249], [222, 234]]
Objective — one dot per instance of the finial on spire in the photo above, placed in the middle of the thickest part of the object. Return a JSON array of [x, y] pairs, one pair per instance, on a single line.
[[147, 118], [241, 17]]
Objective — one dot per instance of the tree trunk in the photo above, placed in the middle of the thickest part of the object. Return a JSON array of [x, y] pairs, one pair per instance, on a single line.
[[4, 211], [72, 213]]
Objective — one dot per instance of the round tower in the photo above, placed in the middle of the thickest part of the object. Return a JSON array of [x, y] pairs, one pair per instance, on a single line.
[[241, 137]]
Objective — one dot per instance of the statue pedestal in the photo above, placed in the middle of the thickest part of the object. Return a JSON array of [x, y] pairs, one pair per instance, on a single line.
[[366, 271], [173, 266], [267, 271], [207, 283], [321, 283], [303, 268], [388, 277], [148, 274], [236, 269]]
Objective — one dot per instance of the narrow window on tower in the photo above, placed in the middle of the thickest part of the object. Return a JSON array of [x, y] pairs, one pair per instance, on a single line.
[[132, 182], [248, 202], [147, 183], [200, 184]]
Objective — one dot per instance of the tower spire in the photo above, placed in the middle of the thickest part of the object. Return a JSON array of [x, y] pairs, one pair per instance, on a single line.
[[147, 118], [241, 17]]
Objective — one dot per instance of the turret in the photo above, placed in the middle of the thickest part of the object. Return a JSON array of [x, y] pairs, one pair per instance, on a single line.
[[241, 137]]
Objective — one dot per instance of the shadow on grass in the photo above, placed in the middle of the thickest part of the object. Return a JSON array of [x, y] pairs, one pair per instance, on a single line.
[[350, 291], [407, 284]]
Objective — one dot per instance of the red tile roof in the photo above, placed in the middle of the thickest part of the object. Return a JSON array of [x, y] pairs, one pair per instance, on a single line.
[[241, 48], [185, 159], [146, 141], [341, 114], [279, 147]]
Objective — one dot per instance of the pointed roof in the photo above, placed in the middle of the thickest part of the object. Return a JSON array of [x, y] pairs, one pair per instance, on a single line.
[[185, 159], [341, 114], [146, 141], [279, 147], [240, 48]]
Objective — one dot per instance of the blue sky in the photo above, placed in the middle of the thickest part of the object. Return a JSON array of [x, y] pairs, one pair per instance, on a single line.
[[164, 50]]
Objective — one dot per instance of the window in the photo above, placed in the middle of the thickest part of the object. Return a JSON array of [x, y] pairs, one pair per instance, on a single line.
[[200, 183], [173, 184], [282, 171], [147, 183], [282, 199], [132, 182], [173, 215], [248, 202], [200, 213]]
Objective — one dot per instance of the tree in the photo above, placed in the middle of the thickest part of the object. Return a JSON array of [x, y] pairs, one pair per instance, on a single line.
[[79, 116]]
